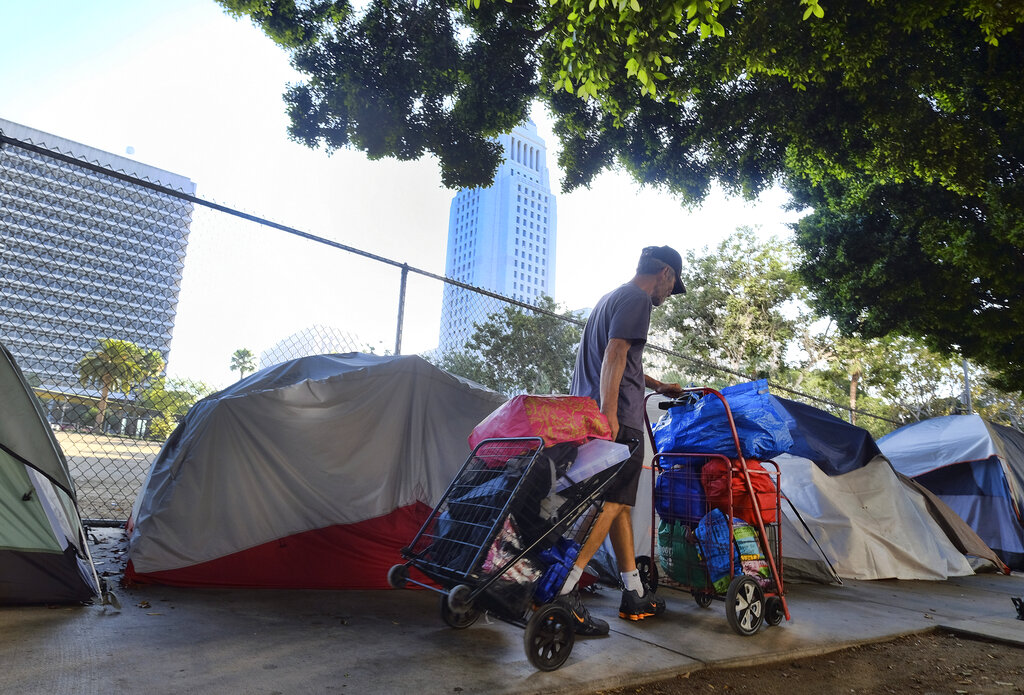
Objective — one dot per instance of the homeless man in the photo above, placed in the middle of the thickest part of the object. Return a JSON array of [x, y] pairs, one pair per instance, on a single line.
[[609, 370]]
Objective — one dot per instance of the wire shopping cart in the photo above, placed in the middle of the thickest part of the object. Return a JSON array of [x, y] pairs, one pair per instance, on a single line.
[[504, 537]]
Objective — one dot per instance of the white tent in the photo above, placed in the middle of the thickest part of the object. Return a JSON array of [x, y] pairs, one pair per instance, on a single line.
[[313, 473], [867, 522]]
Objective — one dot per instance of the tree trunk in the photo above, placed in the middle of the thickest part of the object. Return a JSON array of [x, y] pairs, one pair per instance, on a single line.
[[101, 407], [854, 380]]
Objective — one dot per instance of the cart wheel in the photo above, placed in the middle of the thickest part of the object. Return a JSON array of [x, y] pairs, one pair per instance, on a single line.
[[459, 621], [398, 576], [703, 598], [648, 572], [744, 605], [549, 637], [458, 599], [773, 613]]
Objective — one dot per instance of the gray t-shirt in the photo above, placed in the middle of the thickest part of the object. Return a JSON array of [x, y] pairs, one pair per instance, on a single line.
[[622, 313]]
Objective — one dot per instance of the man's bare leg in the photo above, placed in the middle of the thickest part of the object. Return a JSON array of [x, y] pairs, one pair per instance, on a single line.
[[601, 528], [621, 536], [615, 522]]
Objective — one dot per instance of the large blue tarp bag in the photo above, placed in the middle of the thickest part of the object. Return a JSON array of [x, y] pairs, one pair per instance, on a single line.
[[702, 427]]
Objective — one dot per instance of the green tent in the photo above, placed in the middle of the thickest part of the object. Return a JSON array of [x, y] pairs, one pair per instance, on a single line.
[[44, 552]]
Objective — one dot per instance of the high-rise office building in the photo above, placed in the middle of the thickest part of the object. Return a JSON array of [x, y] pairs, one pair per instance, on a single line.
[[500, 238], [84, 256]]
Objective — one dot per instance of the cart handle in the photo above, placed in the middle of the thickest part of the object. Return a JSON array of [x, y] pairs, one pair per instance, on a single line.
[[689, 394]]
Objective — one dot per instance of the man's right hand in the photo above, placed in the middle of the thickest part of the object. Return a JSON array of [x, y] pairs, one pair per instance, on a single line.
[[613, 423]]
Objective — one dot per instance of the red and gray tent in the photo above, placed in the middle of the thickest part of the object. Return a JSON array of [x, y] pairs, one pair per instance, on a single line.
[[313, 473], [44, 553]]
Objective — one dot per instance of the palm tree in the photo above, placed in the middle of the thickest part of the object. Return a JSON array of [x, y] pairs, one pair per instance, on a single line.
[[242, 361], [116, 365]]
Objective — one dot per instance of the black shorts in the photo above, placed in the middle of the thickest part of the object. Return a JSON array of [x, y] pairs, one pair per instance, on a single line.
[[622, 488]]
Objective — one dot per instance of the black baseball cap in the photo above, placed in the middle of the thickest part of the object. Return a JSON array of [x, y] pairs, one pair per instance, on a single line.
[[670, 257]]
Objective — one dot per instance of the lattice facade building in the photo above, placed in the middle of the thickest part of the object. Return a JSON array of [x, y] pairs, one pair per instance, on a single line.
[[84, 256]]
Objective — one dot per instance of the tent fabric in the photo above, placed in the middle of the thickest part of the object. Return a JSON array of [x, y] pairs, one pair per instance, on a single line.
[[45, 577], [24, 432], [1012, 453], [867, 523], [974, 467], [957, 530], [803, 560], [835, 445], [938, 442], [291, 455], [44, 554], [362, 553]]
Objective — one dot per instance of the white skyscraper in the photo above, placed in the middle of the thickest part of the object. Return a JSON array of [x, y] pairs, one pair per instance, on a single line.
[[501, 238]]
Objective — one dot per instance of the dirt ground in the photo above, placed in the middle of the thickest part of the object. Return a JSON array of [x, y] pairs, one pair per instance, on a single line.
[[931, 663], [108, 471]]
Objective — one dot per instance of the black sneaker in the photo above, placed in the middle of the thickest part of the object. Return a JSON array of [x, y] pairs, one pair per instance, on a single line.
[[637, 607], [582, 622]]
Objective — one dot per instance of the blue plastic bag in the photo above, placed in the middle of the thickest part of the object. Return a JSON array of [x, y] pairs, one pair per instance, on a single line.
[[559, 559], [678, 493], [713, 538], [703, 428]]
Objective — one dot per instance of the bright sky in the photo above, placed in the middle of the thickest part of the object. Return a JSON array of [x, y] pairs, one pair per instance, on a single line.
[[198, 93]]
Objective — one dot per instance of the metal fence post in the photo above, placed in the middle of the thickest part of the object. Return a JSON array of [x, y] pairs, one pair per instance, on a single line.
[[401, 309]]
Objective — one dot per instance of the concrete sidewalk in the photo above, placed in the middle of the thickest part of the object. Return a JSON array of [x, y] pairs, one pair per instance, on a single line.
[[168, 640]]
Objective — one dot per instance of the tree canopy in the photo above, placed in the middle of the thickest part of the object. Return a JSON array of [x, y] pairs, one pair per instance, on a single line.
[[242, 361], [117, 365], [847, 103], [921, 261], [734, 312], [678, 92]]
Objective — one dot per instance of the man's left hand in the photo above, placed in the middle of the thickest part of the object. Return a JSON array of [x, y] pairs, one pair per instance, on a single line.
[[672, 390]]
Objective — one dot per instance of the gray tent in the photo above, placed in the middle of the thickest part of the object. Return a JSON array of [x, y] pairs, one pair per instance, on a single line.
[[44, 553], [312, 473]]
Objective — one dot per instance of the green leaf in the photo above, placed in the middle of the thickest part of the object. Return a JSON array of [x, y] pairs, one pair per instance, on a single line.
[[634, 5]]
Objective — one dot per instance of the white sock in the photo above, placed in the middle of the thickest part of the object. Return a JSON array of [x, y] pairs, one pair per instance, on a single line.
[[570, 581], [631, 580]]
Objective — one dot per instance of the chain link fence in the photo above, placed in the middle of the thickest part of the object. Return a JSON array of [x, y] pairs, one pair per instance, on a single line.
[[124, 299]]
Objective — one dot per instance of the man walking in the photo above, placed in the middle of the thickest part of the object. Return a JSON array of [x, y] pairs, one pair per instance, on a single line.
[[609, 369]]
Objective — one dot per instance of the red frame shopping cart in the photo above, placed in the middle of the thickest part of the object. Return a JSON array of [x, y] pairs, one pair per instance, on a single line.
[[698, 542]]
